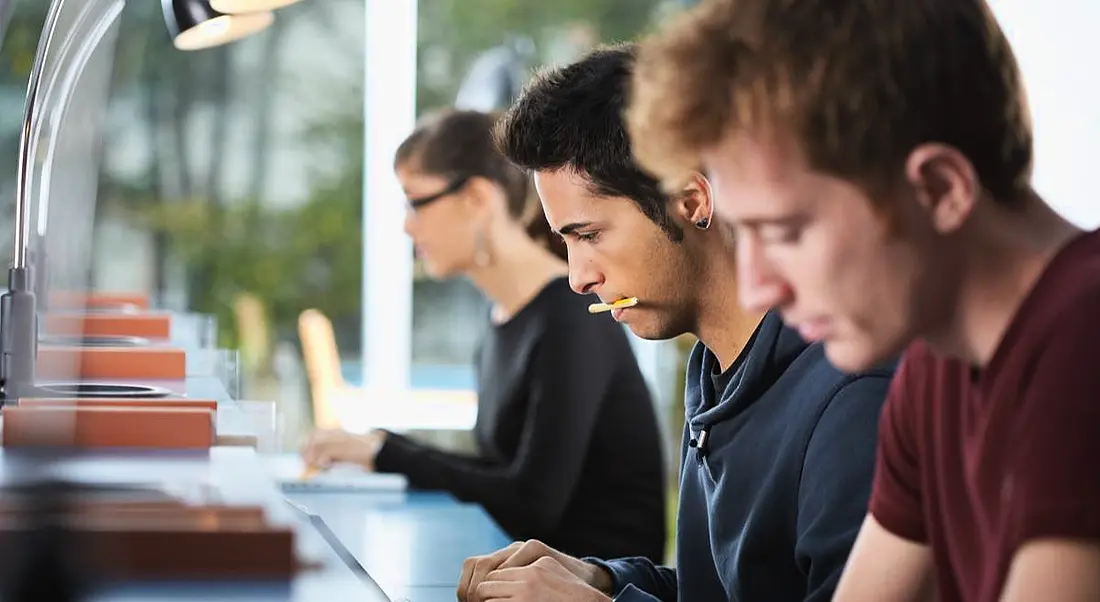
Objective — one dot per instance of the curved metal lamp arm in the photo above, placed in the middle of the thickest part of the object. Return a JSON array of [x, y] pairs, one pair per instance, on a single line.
[[30, 112], [89, 30]]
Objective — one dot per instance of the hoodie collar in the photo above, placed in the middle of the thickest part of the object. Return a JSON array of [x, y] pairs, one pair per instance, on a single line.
[[766, 356]]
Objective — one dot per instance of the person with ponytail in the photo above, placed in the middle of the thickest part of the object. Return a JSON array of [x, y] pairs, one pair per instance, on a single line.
[[569, 450]]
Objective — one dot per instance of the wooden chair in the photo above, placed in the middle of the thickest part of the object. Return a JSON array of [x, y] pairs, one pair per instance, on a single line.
[[333, 397], [253, 332], [322, 360]]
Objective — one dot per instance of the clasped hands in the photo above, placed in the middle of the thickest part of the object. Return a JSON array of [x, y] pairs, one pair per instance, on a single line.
[[531, 571]]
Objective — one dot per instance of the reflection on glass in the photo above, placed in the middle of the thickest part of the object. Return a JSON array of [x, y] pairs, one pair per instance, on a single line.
[[470, 51], [198, 177]]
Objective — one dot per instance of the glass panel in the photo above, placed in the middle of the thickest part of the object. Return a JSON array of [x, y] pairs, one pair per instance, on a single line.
[[225, 183], [477, 54], [66, 135]]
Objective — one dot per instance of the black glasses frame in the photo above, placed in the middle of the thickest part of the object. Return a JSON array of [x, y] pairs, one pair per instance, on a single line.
[[453, 187]]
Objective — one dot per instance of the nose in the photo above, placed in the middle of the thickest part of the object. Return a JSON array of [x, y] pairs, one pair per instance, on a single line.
[[584, 278], [759, 285]]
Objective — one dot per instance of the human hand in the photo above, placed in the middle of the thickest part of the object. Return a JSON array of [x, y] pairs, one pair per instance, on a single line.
[[521, 554], [325, 447], [545, 580]]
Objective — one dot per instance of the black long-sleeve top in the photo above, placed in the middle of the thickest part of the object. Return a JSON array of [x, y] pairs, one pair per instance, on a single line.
[[569, 446]]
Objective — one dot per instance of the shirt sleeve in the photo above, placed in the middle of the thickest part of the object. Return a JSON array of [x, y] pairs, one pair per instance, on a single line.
[[896, 501], [569, 375], [836, 482], [633, 594], [1051, 486], [639, 579]]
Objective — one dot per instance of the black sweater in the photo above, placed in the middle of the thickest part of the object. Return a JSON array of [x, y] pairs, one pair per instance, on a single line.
[[569, 447]]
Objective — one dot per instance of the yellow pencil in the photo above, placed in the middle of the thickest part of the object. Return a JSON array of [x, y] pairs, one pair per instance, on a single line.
[[308, 473], [597, 308]]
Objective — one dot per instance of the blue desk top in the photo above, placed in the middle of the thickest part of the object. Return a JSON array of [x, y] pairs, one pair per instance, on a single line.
[[411, 543]]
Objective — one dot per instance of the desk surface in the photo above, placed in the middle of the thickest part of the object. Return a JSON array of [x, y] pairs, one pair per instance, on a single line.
[[408, 541], [411, 543], [237, 476]]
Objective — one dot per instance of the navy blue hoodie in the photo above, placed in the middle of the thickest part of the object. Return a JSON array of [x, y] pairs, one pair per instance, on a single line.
[[776, 468]]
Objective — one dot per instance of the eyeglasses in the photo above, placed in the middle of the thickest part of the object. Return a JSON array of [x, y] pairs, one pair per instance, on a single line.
[[453, 187]]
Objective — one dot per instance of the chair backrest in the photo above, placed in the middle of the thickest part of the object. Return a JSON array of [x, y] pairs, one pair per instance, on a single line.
[[322, 360], [252, 330]]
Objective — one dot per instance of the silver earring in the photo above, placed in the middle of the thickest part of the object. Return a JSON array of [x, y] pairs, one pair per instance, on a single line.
[[703, 224], [481, 251]]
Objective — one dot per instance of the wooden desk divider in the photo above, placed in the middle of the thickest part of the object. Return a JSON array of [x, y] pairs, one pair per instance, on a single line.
[[151, 325], [153, 534], [146, 363], [120, 402], [108, 426], [80, 300]]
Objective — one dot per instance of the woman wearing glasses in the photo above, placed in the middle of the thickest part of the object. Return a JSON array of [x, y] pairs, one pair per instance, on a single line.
[[569, 449]]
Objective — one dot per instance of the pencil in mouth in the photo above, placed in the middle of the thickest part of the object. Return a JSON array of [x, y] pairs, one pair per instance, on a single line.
[[599, 308]]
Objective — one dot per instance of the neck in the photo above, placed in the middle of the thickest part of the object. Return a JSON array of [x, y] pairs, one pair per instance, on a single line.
[[514, 277], [1007, 253], [721, 324]]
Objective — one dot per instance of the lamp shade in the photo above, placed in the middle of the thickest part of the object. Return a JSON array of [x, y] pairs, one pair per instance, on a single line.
[[194, 25], [248, 6]]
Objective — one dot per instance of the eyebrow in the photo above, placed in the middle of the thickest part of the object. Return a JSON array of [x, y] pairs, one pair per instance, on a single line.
[[573, 227], [783, 220]]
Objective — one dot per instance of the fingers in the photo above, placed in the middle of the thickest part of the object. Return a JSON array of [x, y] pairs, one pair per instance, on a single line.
[[462, 592], [495, 590], [475, 568], [526, 554], [517, 583], [522, 582], [544, 564], [320, 449]]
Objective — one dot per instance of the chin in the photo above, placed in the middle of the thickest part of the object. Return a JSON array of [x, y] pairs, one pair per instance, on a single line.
[[851, 356], [655, 331], [438, 272]]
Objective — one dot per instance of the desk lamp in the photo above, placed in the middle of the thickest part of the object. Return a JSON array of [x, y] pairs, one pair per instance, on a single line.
[[193, 25], [248, 6]]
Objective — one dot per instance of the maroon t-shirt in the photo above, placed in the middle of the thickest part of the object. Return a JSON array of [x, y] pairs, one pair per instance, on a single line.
[[976, 464]]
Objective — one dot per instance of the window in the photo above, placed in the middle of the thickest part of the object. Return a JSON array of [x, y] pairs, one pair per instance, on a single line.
[[459, 44]]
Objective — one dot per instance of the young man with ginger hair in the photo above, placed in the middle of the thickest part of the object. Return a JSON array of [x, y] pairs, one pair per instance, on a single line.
[[876, 157]]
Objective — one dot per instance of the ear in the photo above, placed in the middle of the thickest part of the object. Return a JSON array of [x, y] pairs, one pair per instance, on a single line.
[[694, 203], [481, 196], [944, 183]]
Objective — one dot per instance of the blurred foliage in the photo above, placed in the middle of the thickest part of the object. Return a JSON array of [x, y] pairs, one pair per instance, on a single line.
[[290, 259], [455, 32]]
